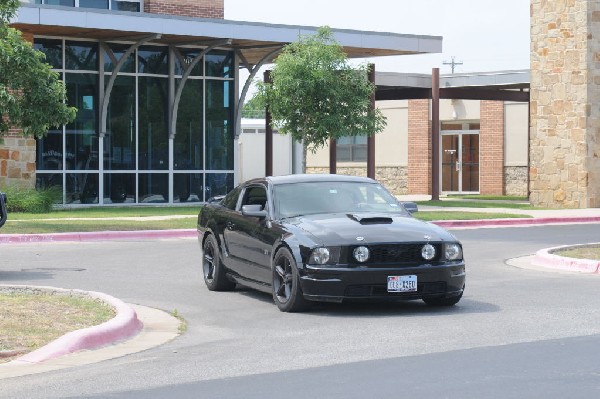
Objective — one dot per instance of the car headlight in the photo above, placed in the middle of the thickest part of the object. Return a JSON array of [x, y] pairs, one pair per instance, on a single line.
[[324, 256], [319, 256], [452, 251], [361, 254], [428, 252]]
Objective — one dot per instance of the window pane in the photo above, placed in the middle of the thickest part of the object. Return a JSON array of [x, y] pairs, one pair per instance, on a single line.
[[81, 56], [359, 153], [219, 129], [52, 48], [153, 187], [188, 187], [119, 188], [68, 3], [49, 151], [81, 137], [81, 188], [153, 114], [153, 59], [47, 180], [119, 141], [188, 139], [94, 4], [219, 64], [188, 56], [119, 50], [217, 184], [125, 5]]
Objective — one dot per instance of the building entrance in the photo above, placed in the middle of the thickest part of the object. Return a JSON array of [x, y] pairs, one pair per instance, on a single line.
[[460, 158]]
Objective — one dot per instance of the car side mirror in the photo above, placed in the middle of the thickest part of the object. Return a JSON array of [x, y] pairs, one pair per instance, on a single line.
[[254, 211], [410, 207], [3, 213]]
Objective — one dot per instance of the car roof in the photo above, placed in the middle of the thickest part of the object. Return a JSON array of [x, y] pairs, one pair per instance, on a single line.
[[308, 178]]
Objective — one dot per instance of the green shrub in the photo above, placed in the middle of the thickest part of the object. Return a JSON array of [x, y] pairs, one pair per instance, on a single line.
[[30, 200]]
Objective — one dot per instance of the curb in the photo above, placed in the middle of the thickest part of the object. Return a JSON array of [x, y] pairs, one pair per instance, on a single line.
[[515, 222], [96, 236], [546, 258], [124, 325]]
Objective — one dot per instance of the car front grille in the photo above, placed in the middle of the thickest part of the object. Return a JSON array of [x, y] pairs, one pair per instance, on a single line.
[[398, 254]]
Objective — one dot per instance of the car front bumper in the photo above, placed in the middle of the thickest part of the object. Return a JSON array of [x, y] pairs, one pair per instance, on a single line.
[[341, 283]]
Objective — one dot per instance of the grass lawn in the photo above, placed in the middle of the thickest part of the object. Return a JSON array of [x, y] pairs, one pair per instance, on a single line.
[[581, 253], [109, 212], [429, 216], [477, 204], [29, 321], [488, 197]]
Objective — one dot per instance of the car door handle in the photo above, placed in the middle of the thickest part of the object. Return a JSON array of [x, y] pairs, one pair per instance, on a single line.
[[230, 226]]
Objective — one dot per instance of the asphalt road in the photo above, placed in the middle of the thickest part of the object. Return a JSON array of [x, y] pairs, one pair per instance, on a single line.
[[517, 333]]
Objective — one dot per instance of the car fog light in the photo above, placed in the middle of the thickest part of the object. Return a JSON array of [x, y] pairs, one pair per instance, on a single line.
[[319, 256], [361, 254], [452, 251], [428, 251]]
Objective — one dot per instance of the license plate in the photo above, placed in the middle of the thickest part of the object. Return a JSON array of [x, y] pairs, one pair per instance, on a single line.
[[402, 283]]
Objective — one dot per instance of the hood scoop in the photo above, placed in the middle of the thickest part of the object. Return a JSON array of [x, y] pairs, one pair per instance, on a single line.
[[370, 219]]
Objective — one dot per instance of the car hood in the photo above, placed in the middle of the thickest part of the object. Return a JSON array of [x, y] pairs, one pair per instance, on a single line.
[[344, 229]]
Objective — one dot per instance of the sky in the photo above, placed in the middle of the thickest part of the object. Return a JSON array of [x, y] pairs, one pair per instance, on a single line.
[[485, 35]]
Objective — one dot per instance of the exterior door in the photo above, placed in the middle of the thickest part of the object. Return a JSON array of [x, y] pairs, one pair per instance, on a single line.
[[460, 162]]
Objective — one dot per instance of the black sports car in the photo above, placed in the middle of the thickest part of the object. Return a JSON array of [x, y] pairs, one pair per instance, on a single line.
[[330, 238]]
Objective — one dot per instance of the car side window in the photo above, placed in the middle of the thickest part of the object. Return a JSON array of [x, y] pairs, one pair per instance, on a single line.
[[255, 195], [231, 199]]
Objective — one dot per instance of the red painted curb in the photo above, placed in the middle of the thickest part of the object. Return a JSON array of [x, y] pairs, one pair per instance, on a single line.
[[124, 325], [546, 258], [96, 236], [515, 222]]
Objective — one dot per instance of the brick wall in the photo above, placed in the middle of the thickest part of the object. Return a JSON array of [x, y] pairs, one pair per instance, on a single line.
[[491, 148], [419, 147], [188, 8]]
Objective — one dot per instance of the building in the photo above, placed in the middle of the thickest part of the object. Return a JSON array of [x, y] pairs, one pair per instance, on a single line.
[[483, 144], [157, 88]]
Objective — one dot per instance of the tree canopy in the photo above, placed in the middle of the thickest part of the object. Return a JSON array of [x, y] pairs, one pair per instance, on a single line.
[[32, 97], [316, 94]]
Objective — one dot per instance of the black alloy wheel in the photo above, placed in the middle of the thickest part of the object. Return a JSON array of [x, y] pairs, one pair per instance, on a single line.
[[287, 292], [212, 268]]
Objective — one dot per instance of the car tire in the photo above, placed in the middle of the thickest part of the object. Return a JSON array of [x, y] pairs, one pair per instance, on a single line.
[[212, 268], [287, 292], [443, 301]]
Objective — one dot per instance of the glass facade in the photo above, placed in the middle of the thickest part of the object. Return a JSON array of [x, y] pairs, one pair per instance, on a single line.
[[138, 160], [116, 5]]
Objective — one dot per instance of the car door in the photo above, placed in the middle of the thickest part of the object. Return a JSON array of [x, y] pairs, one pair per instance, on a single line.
[[250, 239]]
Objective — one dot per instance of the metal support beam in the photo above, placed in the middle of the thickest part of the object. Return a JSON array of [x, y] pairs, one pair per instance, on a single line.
[[184, 78], [268, 134], [435, 134], [113, 77], [371, 138], [455, 93], [240, 104]]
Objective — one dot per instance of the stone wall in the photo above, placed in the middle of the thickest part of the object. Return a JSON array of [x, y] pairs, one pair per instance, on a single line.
[[17, 161], [565, 93], [394, 178], [515, 180], [188, 8]]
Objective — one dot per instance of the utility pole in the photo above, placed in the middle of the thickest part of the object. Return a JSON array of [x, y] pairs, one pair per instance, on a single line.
[[452, 63]]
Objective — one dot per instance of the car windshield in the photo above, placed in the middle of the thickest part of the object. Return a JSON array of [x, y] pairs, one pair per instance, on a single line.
[[296, 199]]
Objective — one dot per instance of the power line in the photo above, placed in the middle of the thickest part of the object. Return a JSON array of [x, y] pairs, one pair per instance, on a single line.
[[452, 63]]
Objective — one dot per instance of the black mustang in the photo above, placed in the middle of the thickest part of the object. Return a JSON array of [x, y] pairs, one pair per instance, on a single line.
[[326, 238]]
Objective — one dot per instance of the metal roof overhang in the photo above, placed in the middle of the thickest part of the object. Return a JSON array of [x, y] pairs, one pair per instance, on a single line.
[[498, 86], [252, 40]]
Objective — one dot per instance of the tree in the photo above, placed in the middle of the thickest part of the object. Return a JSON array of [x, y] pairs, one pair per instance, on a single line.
[[32, 97], [253, 109], [316, 95]]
